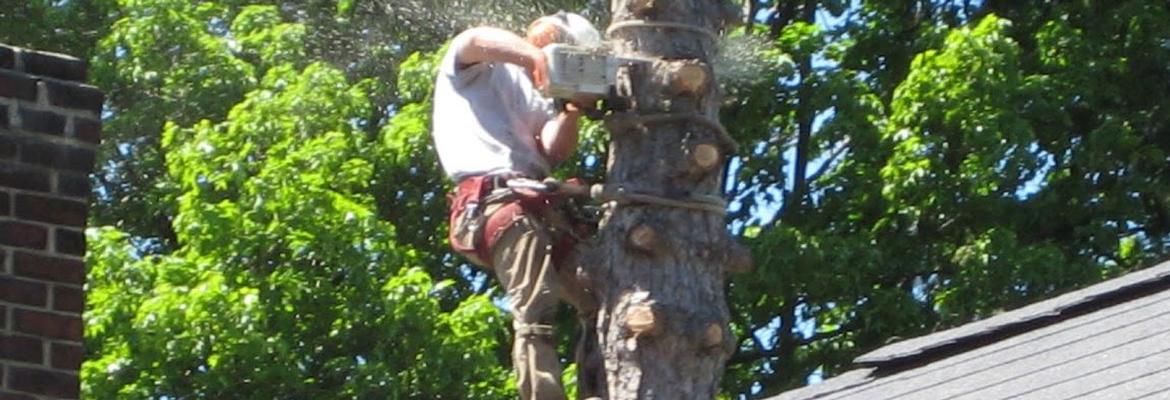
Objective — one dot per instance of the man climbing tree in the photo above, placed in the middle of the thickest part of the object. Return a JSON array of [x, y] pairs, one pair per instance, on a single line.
[[492, 125], [658, 268]]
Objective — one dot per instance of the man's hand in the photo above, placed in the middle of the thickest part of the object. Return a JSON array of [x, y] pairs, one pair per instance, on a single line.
[[572, 109], [538, 70]]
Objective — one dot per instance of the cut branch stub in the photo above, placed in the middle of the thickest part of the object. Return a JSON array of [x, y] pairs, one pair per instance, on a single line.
[[642, 8], [688, 78], [642, 321], [705, 156], [713, 336], [644, 238]]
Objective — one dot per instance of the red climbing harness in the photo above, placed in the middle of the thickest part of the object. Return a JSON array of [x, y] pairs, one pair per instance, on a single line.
[[483, 207]]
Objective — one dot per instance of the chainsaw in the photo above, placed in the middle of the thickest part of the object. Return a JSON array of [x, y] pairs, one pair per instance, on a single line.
[[575, 71]]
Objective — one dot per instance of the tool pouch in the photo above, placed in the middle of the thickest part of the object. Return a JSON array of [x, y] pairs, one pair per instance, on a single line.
[[466, 220]]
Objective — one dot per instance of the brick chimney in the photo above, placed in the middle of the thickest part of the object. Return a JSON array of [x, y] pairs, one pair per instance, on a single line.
[[50, 125]]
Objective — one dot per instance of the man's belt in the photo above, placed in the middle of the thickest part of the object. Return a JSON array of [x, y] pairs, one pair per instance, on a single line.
[[500, 181], [488, 189]]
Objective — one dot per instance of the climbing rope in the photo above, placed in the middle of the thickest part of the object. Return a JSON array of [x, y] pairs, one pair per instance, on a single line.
[[533, 330], [714, 37], [619, 194]]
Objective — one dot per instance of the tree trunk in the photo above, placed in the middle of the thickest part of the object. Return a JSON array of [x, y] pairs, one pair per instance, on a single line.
[[659, 269]]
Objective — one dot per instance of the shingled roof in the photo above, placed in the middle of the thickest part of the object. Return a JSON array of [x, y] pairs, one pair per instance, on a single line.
[[1108, 341]]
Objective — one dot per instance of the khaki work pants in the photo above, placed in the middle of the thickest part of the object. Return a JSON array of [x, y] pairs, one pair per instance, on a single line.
[[524, 265]]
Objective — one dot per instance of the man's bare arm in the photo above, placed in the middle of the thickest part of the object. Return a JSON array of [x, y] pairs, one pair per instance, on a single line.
[[493, 44], [558, 138]]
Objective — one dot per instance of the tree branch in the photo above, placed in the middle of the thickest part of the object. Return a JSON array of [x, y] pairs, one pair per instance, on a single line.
[[837, 152]]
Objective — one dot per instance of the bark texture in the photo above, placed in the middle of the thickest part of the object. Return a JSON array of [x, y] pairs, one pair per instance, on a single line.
[[660, 270]]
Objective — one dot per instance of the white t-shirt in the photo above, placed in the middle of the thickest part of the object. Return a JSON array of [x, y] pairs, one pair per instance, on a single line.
[[486, 117]]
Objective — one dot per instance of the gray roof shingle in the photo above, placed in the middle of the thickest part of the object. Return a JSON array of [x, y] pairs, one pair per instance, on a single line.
[[1108, 341]]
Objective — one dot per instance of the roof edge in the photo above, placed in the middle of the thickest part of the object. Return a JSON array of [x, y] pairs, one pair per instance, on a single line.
[[925, 349]]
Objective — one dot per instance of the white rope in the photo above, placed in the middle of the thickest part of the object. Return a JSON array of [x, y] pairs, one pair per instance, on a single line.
[[525, 329], [619, 194]]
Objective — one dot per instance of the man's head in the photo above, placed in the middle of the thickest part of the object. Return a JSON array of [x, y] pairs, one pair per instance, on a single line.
[[563, 27]]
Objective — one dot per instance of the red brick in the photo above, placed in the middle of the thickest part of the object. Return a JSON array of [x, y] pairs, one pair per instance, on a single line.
[[54, 326], [78, 159], [68, 299], [67, 356], [48, 154], [15, 396], [23, 177], [15, 85], [22, 348], [87, 129], [25, 292], [40, 152], [72, 185], [45, 122], [70, 242], [49, 268], [58, 66], [8, 145], [51, 210], [72, 95], [19, 234], [43, 382]]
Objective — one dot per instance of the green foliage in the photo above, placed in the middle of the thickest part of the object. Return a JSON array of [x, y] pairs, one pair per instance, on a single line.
[[195, 327], [282, 277], [188, 74], [287, 284], [67, 27], [960, 160], [407, 172], [262, 36]]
